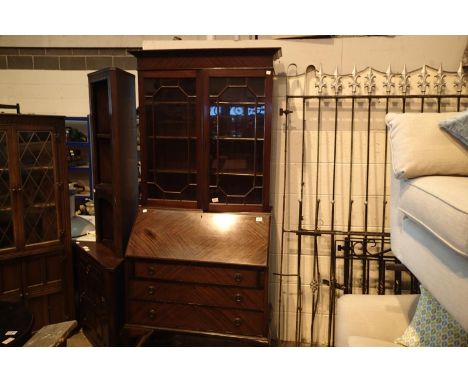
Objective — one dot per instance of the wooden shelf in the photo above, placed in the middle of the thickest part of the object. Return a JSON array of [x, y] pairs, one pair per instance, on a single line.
[[104, 136], [236, 173], [173, 171], [246, 139], [171, 137]]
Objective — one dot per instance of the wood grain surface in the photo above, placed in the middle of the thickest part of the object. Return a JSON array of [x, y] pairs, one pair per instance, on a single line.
[[224, 238]]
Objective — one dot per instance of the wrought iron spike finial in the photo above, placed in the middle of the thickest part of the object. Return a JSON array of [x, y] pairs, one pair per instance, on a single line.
[[460, 81], [336, 84], [320, 84], [404, 84], [440, 84], [423, 83], [354, 83], [387, 84], [370, 83]]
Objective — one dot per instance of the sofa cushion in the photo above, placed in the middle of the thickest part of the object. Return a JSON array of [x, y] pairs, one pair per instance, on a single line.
[[440, 204], [457, 126], [364, 319], [420, 147], [432, 325], [359, 341]]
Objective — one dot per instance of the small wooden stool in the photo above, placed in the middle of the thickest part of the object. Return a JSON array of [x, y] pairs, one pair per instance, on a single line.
[[52, 335]]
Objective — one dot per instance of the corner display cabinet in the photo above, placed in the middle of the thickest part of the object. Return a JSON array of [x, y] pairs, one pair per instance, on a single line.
[[35, 242], [205, 117], [115, 173], [115, 168]]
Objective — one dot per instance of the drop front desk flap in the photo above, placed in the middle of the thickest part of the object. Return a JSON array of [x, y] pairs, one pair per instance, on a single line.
[[199, 272]]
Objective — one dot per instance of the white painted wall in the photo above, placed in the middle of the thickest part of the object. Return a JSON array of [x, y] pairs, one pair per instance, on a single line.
[[66, 93]]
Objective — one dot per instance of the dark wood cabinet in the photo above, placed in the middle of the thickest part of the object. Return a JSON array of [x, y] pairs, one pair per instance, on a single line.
[[99, 292], [115, 174], [205, 128], [199, 272], [35, 242], [115, 167]]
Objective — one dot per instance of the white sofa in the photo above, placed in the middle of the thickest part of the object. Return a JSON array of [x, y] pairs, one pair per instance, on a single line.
[[429, 231]]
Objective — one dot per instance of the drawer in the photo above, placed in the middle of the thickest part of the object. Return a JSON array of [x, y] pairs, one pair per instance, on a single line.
[[200, 274], [219, 296], [197, 318], [90, 276], [95, 324]]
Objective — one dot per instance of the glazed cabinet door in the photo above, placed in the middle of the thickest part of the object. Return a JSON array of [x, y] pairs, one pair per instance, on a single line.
[[7, 226], [170, 138], [237, 129], [38, 186]]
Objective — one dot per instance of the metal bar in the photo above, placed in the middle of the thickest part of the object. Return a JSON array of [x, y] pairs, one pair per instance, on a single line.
[[280, 287], [299, 237], [309, 232], [316, 296], [365, 264], [298, 290], [331, 308], [348, 264], [13, 107], [381, 279]]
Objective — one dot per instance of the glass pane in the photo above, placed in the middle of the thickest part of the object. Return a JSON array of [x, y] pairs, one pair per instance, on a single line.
[[237, 121], [170, 111], [6, 217], [236, 189], [237, 131], [38, 186]]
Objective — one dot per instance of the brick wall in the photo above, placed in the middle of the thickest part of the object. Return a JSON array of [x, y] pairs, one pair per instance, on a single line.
[[66, 58]]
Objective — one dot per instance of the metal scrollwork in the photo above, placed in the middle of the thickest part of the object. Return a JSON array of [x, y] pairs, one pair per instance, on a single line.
[[388, 84], [336, 84], [423, 83], [370, 83], [354, 83], [440, 84], [404, 84], [320, 84], [460, 81]]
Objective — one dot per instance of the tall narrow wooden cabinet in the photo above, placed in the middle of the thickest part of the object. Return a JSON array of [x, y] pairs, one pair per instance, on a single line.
[[115, 168], [35, 242], [115, 172], [197, 259]]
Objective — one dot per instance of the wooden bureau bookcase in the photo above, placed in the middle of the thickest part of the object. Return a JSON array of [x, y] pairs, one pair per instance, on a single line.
[[35, 235], [197, 259]]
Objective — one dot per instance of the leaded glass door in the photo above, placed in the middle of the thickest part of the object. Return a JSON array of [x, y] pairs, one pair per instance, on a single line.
[[238, 139], [7, 234], [39, 216], [170, 171]]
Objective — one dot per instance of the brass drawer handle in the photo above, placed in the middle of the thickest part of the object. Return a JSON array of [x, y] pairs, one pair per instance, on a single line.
[[238, 298], [151, 289], [152, 314], [88, 268], [237, 321], [238, 277], [151, 270]]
